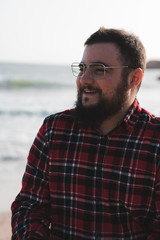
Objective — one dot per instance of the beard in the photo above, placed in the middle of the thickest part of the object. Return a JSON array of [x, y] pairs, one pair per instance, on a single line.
[[94, 115]]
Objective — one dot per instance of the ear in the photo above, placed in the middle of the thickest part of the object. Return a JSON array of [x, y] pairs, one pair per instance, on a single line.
[[135, 77]]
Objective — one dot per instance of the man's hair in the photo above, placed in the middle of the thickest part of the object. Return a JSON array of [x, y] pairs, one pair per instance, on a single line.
[[131, 48]]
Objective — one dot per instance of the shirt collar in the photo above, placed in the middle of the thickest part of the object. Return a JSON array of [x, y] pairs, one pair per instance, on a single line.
[[132, 115]]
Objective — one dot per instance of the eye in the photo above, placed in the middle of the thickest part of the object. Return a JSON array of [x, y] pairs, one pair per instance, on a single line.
[[81, 68], [98, 70]]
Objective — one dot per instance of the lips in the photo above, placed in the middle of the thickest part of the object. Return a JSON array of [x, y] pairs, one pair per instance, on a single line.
[[89, 90], [86, 91]]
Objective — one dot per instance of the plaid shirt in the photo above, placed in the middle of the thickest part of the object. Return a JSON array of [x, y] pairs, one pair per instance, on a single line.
[[88, 186]]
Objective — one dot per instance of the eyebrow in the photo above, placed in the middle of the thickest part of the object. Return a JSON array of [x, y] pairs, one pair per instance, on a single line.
[[105, 64], [99, 62]]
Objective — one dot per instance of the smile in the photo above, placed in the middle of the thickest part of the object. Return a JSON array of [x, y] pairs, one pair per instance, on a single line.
[[86, 91]]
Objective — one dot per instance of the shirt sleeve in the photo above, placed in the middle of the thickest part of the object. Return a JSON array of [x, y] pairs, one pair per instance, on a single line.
[[155, 226], [31, 208]]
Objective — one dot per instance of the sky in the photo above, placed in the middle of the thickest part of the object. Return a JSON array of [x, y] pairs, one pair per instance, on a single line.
[[54, 31]]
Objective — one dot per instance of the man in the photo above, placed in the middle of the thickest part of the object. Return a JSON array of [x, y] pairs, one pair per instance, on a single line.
[[93, 172]]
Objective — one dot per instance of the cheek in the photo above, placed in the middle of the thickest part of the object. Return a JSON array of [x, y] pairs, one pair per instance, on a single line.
[[108, 91], [109, 85], [105, 86]]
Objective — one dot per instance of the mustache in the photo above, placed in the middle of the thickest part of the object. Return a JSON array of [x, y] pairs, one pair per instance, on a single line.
[[90, 88]]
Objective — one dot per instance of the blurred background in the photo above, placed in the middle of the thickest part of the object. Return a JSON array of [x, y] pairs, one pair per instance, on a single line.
[[39, 39]]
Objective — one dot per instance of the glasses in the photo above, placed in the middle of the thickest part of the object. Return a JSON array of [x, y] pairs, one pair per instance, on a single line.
[[96, 70]]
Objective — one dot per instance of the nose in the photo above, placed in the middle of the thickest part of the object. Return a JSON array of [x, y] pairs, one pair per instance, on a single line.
[[86, 77]]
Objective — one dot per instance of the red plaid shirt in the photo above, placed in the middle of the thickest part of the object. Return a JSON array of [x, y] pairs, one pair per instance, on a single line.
[[90, 186]]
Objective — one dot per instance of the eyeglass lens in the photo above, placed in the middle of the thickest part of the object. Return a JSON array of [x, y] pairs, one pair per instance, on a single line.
[[96, 70]]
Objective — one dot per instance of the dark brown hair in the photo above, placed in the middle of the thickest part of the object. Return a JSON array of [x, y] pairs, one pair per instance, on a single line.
[[131, 48]]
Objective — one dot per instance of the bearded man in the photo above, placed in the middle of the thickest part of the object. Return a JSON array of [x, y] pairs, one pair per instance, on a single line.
[[93, 172]]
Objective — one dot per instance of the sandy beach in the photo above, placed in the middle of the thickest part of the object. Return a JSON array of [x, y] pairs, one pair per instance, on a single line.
[[5, 226]]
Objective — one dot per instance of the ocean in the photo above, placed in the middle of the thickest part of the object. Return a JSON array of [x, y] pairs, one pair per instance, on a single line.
[[29, 93]]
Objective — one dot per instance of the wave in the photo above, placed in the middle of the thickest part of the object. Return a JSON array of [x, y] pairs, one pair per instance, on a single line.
[[25, 112], [24, 83]]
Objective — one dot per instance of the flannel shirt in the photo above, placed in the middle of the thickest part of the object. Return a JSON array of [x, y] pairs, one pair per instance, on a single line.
[[79, 184]]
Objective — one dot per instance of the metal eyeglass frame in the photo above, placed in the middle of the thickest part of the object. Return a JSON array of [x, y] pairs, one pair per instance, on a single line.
[[76, 65]]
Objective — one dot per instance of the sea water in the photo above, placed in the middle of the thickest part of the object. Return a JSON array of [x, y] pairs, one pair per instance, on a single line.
[[28, 94]]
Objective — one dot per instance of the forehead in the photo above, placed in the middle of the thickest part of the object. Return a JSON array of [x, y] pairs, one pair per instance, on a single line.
[[102, 52]]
